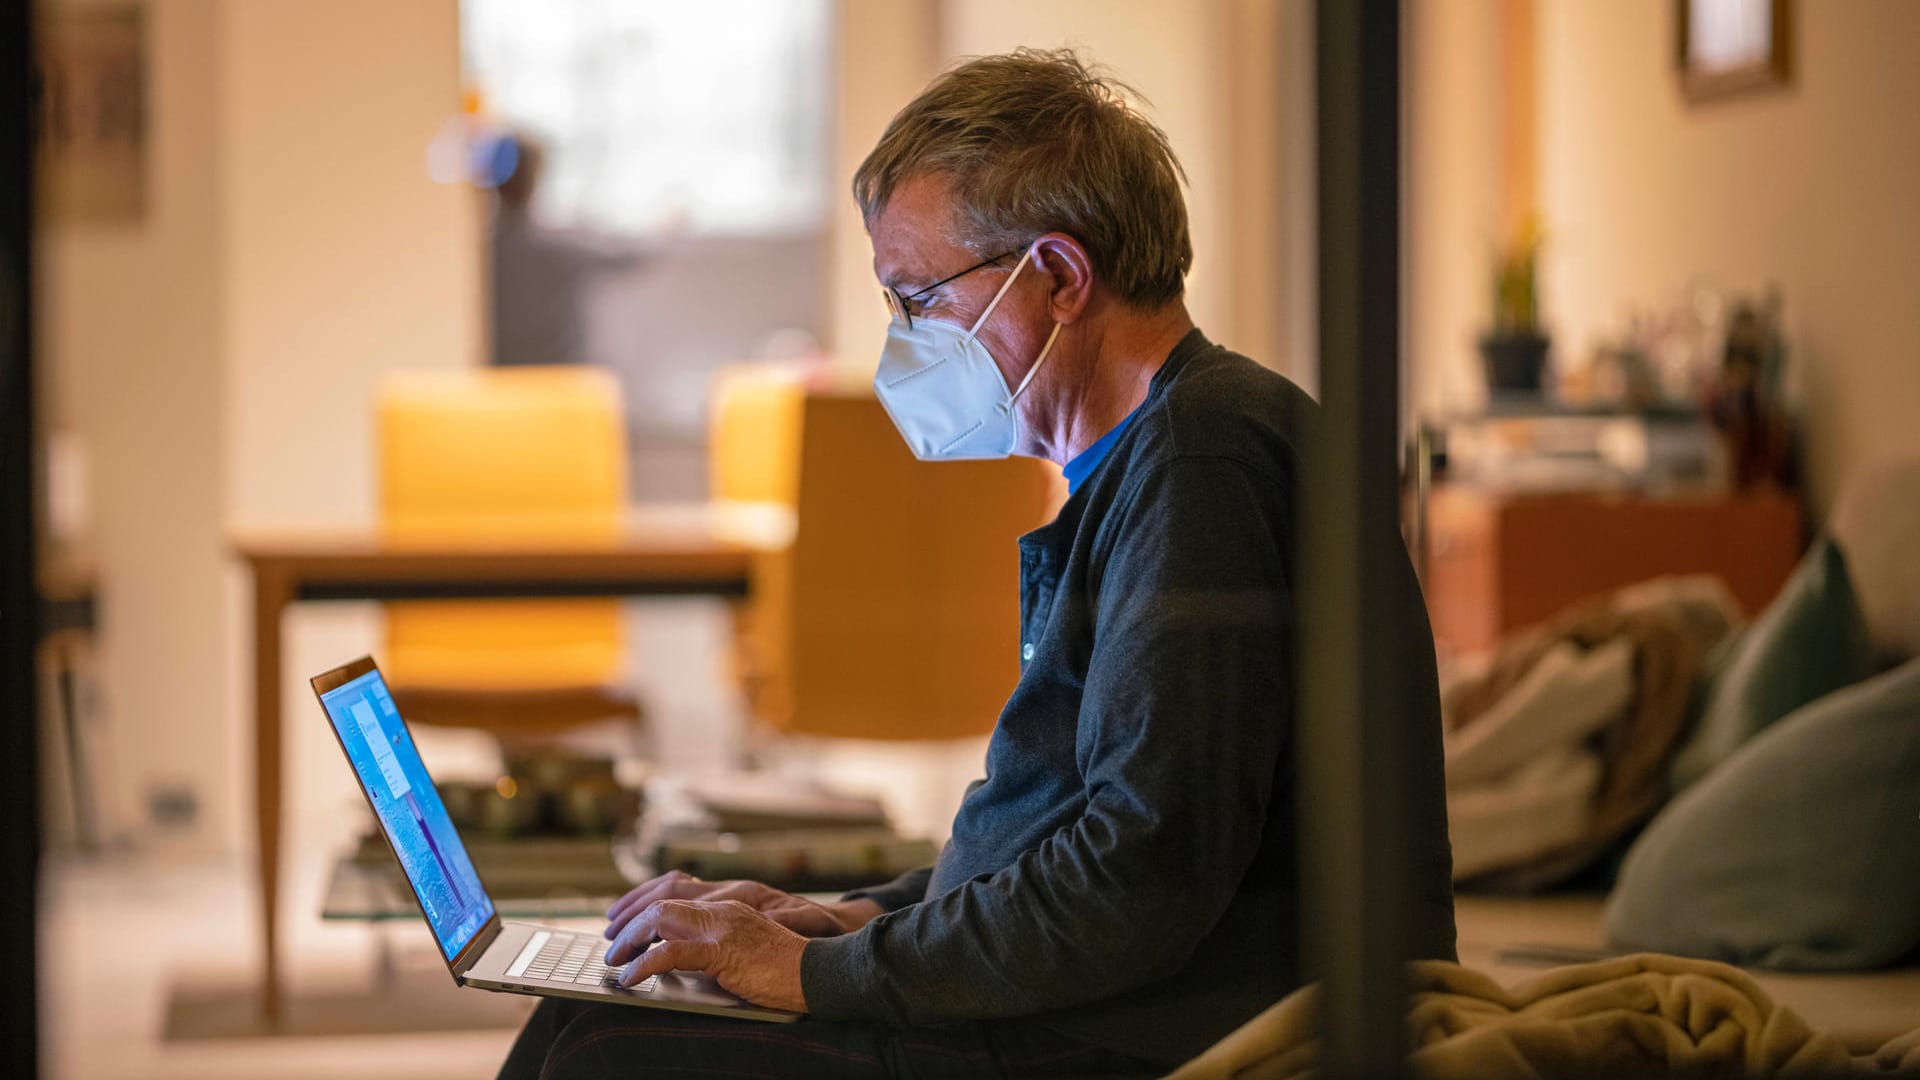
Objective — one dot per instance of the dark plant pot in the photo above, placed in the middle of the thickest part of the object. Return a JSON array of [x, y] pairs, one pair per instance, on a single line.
[[1514, 362]]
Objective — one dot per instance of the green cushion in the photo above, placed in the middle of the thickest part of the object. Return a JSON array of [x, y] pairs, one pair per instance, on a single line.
[[1810, 641], [1801, 852]]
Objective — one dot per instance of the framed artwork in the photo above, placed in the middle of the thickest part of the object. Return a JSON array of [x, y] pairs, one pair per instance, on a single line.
[[92, 122], [1726, 48]]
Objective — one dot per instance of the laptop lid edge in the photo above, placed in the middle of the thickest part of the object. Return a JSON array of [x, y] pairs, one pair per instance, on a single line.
[[476, 945]]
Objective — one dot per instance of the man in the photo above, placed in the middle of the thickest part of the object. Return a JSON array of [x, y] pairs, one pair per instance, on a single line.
[[1120, 890]]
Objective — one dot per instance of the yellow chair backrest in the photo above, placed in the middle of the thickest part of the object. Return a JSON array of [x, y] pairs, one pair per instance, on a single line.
[[754, 434], [493, 455], [894, 614]]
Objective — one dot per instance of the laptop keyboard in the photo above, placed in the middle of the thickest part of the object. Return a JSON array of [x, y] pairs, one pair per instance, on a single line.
[[575, 958]]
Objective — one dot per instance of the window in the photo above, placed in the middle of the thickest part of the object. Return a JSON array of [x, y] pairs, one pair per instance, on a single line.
[[711, 114]]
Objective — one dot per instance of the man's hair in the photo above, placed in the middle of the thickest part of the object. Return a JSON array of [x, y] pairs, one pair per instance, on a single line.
[[1035, 141]]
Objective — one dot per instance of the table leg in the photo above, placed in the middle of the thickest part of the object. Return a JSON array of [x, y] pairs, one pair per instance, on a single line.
[[86, 829], [271, 592]]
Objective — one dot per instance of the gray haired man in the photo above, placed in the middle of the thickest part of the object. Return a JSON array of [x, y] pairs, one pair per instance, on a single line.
[[1119, 890]]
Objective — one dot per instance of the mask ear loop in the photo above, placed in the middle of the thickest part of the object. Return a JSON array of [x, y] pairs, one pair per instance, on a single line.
[[1045, 350], [1019, 266]]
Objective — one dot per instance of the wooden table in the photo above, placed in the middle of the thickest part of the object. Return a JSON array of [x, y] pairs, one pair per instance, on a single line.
[[666, 550]]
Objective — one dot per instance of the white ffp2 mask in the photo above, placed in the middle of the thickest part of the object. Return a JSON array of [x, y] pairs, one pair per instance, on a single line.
[[943, 391]]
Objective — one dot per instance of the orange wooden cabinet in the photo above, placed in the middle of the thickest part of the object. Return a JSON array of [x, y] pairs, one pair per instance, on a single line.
[[1495, 562]]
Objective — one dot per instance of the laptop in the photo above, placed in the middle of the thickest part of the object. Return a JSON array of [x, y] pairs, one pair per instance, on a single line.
[[480, 949]]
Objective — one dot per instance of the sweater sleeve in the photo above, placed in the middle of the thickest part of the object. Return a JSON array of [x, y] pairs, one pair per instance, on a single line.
[[1178, 738]]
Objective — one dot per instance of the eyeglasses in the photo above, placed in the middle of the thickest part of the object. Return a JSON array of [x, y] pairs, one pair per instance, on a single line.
[[897, 304]]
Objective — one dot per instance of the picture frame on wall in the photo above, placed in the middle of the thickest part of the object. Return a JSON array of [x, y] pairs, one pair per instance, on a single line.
[[92, 123], [1730, 48]]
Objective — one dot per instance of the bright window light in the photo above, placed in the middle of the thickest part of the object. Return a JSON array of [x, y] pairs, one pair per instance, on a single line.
[[708, 115]]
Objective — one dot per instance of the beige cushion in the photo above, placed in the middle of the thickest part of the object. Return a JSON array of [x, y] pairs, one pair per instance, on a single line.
[[1876, 521]]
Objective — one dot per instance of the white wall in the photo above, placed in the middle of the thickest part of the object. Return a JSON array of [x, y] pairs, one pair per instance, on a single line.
[[131, 346], [216, 358], [345, 260], [1813, 188], [885, 51], [1451, 196]]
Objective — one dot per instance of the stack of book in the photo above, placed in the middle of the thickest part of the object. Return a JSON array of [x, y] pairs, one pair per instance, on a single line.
[[795, 837]]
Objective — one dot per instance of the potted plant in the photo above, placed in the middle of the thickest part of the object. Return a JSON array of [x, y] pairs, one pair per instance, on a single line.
[[1515, 350]]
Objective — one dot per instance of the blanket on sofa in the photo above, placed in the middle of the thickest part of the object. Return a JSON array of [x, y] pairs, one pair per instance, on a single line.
[[1609, 683], [1647, 1012]]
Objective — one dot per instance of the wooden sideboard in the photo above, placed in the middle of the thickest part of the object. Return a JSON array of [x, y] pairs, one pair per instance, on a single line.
[[1498, 561]]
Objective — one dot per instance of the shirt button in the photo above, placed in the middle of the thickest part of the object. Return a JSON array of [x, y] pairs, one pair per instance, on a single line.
[[1026, 651]]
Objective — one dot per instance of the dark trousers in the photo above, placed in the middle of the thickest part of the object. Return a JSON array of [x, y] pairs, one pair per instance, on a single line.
[[573, 1040]]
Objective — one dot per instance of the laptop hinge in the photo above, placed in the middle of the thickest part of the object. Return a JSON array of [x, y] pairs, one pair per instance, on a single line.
[[475, 949]]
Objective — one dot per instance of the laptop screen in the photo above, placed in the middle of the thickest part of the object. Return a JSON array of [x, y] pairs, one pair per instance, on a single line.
[[409, 809]]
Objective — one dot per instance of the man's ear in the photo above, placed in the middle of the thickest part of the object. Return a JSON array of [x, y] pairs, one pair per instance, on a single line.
[[1069, 270]]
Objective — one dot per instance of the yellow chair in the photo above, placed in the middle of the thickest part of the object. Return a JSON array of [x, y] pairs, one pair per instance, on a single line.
[[893, 613], [482, 455], [754, 435]]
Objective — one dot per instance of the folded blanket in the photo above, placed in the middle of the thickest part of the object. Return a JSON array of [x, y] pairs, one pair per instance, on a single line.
[[1568, 695], [1631, 1015], [1614, 676], [1542, 806]]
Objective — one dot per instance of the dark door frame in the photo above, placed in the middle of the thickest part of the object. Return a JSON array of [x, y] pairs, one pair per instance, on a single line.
[[19, 599], [1353, 906]]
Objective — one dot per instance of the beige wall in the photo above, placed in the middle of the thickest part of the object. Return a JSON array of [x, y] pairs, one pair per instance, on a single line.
[[344, 259], [1452, 196], [885, 51], [215, 359], [1812, 188], [130, 341]]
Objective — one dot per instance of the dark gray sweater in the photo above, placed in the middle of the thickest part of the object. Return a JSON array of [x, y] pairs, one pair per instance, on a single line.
[[1126, 870]]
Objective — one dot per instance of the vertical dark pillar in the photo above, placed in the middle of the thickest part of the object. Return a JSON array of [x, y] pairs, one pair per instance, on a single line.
[[19, 601], [1352, 825]]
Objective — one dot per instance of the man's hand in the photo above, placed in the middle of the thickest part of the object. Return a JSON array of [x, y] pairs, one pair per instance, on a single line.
[[745, 951], [796, 913]]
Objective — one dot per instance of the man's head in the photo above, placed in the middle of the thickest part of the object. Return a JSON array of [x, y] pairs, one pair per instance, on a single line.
[[1029, 152], [1034, 142]]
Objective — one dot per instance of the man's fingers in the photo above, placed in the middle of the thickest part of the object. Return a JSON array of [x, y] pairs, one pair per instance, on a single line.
[[645, 893], [640, 890], [678, 886], [629, 905], [660, 919], [672, 885], [671, 956], [632, 938]]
